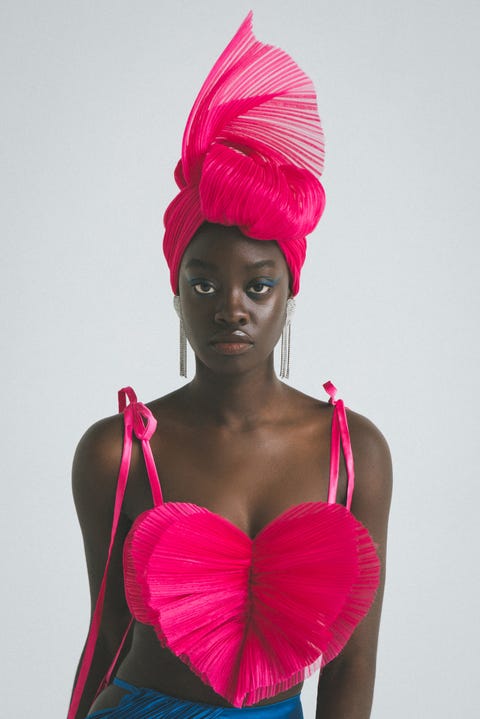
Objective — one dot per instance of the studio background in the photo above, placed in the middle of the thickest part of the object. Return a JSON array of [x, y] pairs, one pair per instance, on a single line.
[[95, 98]]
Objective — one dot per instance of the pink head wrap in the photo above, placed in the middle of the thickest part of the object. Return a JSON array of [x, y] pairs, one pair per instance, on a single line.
[[252, 152]]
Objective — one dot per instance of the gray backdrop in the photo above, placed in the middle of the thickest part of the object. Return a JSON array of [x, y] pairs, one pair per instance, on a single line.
[[95, 98]]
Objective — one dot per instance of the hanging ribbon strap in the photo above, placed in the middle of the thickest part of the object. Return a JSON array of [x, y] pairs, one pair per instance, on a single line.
[[339, 433], [139, 420]]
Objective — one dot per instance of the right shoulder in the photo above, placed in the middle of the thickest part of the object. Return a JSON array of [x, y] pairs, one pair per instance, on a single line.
[[97, 460]]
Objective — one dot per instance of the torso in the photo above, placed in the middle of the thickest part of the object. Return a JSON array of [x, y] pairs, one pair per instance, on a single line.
[[249, 476]]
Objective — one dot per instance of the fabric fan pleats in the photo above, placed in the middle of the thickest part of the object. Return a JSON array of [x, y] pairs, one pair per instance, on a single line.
[[255, 96], [251, 617], [252, 153]]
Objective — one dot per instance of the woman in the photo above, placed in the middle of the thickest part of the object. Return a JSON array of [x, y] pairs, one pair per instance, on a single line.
[[237, 544]]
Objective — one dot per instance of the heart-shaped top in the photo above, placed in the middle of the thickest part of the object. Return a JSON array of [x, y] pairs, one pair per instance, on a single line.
[[250, 617]]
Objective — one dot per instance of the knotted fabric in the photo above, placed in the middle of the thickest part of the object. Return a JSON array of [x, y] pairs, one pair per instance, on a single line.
[[252, 152]]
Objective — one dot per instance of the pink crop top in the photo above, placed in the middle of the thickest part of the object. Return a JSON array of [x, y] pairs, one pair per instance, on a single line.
[[250, 617]]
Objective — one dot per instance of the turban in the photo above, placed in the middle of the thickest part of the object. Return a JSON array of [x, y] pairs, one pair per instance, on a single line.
[[252, 153]]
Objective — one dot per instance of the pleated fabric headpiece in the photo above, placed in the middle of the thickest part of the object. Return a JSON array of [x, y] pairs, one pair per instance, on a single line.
[[252, 153]]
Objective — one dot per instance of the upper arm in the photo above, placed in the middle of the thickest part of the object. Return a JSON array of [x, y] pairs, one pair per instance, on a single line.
[[371, 505], [94, 481], [346, 683]]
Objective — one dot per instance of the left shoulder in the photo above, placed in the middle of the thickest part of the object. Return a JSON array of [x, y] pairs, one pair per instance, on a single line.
[[368, 442], [372, 463]]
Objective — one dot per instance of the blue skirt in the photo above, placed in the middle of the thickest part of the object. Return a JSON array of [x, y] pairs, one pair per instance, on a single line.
[[142, 703]]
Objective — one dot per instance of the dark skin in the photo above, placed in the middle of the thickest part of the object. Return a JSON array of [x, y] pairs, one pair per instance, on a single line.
[[256, 447]]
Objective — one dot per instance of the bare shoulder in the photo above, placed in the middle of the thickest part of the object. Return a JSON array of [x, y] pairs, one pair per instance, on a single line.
[[368, 443], [373, 470], [97, 459]]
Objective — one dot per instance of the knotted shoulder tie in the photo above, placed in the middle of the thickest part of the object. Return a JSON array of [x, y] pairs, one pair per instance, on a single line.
[[140, 421]]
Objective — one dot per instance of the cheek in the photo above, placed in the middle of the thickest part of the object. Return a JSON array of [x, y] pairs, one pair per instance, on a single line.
[[196, 316], [270, 320], [192, 308]]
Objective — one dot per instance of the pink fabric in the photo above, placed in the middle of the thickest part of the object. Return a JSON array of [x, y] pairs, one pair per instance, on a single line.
[[252, 152], [138, 419], [340, 432], [250, 616]]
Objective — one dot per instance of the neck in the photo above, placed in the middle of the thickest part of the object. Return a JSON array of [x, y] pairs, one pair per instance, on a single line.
[[239, 400]]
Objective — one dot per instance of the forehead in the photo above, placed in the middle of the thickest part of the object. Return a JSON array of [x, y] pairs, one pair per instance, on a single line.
[[224, 247]]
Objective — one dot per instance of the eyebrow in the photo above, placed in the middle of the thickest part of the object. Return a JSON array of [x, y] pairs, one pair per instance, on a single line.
[[211, 266]]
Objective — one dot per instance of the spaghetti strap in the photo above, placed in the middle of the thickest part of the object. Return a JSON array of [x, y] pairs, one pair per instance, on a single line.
[[139, 420], [339, 433]]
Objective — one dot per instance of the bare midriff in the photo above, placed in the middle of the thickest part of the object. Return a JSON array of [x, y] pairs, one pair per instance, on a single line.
[[148, 664]]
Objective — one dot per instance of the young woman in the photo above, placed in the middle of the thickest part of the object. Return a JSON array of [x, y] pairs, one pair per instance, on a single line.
[[241, 544]]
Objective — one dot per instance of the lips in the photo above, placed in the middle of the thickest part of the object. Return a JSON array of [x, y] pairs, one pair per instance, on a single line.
[[231, 344]]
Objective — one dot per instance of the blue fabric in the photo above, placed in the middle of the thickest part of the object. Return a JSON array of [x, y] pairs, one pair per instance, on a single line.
[[142, 703]]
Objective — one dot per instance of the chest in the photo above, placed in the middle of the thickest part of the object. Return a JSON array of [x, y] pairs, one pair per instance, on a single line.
[[247, 477]]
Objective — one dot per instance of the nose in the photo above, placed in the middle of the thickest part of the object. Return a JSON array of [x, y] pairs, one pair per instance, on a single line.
[[231, 309]]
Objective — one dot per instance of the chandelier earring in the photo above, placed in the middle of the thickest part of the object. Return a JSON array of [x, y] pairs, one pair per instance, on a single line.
[[182, 337], [285, 340]]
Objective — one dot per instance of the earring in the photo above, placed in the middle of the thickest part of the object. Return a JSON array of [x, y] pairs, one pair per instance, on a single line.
[[285, 340], [183, 338]]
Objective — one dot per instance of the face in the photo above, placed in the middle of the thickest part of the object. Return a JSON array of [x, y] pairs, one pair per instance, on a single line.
[[234, 292]]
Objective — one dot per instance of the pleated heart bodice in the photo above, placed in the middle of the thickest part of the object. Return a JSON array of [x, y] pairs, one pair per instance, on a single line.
[[251, 617]]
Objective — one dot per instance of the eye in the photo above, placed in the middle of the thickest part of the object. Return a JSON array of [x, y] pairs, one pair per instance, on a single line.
[[261, 287], [202, 287]]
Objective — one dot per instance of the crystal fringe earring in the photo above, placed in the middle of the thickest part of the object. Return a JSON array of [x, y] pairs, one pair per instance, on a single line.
[[183, 338], [285, 340]]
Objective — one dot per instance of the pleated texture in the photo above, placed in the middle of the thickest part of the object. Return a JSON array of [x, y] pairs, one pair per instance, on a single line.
[[251, 617], [148, 704], [252, 153], [145, 703]]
